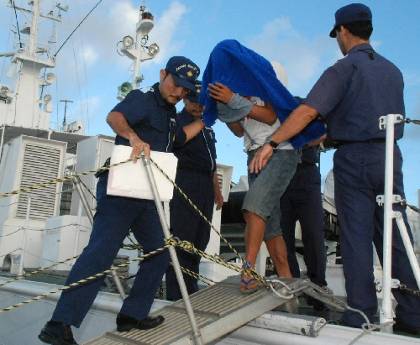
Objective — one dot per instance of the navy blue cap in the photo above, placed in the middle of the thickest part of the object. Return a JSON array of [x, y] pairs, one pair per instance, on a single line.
[[351, 13], [184, 71], [194, 95]]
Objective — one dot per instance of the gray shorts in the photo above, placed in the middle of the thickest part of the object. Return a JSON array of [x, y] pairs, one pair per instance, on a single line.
[[267, 187]]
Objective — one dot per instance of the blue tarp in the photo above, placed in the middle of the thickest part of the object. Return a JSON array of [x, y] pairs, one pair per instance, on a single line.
[[249, 74]]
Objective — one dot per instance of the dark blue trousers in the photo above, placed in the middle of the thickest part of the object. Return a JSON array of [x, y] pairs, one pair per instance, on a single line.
[[188, 225], [114, 217], [359, 178], [302, 202]]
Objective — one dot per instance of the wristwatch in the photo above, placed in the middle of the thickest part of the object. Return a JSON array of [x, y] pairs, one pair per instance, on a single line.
[[273, 144]]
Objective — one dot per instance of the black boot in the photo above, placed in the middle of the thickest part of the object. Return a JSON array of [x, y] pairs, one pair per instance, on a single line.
[[404, 329], [57, 333], [126, 323]]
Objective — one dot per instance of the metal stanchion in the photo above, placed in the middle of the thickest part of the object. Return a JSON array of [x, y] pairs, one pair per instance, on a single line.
[[388, 122], [196, 331]]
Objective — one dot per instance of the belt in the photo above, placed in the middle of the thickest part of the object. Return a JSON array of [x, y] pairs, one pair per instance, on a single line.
[[338, 143], [307, 164]]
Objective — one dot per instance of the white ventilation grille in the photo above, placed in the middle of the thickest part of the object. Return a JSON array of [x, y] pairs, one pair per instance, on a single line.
[[40, 164]]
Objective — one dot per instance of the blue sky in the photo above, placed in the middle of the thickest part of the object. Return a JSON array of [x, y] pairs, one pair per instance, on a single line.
[[292, 33]]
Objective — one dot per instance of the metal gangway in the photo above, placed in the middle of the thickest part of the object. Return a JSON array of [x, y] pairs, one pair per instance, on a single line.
[[210, 313], [218, 310]]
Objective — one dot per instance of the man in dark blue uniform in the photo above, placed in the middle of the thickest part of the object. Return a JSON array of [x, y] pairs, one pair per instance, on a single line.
[[196, 176], [144, 121], [302, 202], [351, 95]]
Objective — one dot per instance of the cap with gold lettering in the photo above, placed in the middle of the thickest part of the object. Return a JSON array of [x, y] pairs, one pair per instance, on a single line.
[[184, 71]]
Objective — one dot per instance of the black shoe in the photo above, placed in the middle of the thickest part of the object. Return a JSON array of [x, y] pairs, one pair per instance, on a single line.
[[316, 304], [403, 329], [126, 323], [57, 333]]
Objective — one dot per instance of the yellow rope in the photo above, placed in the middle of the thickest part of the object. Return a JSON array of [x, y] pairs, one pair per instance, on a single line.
[[20, 277], [185, 245], [185, 196], [85, 280], [59, 180]]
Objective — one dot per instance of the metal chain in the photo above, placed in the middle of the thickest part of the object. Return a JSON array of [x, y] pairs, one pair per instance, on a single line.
[[408, 290], [185, 245], [87, 279], [60, 180], [415, 122], [190, 202], [105, 168], [189, 247], [20, 277], [199, 276]]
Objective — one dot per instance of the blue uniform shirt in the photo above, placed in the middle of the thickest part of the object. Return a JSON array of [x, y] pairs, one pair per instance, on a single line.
[[200, 152], [150, 116], [352, 94]]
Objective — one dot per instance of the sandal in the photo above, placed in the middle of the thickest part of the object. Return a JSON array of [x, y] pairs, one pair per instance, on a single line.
[[248, 283]]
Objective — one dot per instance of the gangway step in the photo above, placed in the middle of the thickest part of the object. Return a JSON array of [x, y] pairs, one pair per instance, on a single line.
[[219, 310]]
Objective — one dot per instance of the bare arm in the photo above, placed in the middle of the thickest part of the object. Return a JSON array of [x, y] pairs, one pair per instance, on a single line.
[[236, 128], [263, 114], [298, 120], [120, 126]]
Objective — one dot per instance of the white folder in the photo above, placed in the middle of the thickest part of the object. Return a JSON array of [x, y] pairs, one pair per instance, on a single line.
[[130, 179]]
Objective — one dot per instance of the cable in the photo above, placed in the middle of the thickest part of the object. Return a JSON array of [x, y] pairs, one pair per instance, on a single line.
[[14, 232], [15, 250], [46, 229], [414, 208], [79, 180], [78, 25], [13, 203], [3, 63], [17, 24], [416, 122]]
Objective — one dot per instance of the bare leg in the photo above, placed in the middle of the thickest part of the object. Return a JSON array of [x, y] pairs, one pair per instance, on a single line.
[[255, 227], [278, 252]]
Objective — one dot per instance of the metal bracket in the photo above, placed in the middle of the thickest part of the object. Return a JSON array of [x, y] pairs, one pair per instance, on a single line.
[[395, 284], [396, 199], [378, 285], [397, 118]]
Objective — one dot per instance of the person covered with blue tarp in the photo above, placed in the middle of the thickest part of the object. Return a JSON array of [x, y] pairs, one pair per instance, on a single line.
[[234, 71], [248, 73]]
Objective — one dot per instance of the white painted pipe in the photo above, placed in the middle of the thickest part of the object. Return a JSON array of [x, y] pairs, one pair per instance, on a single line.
[[386, 312], [386, 315], [182, 287], [408, 247]]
